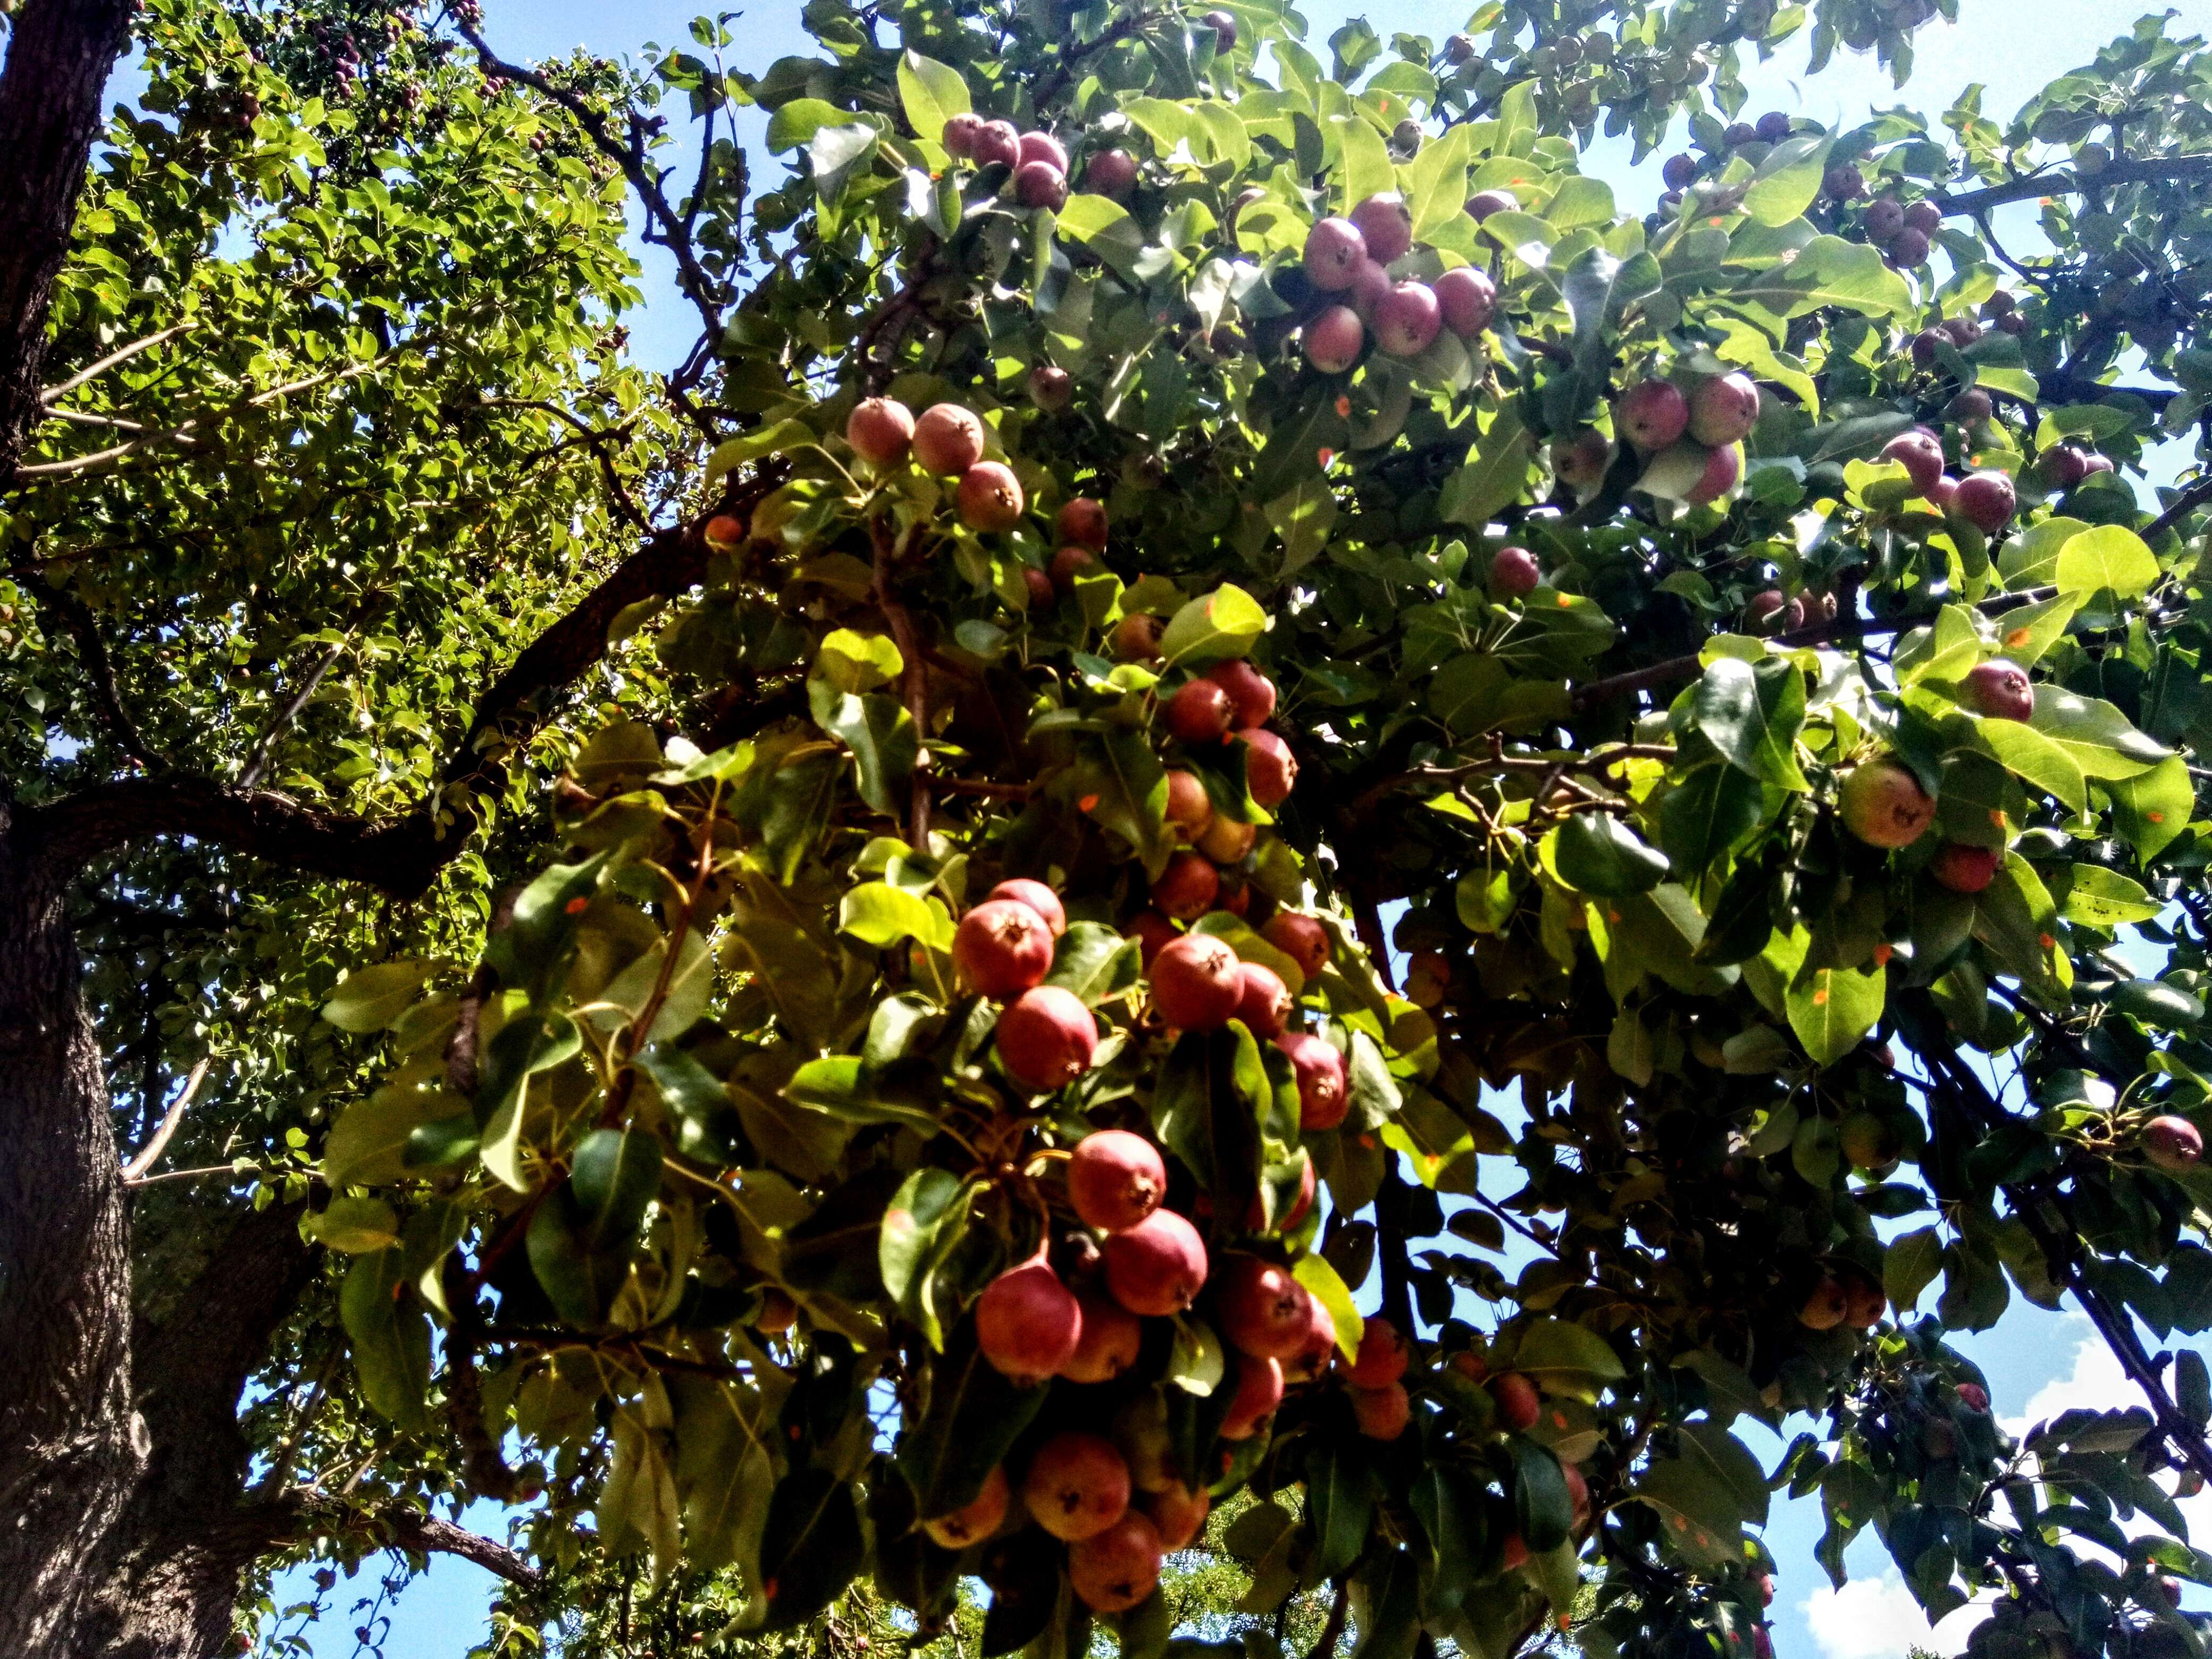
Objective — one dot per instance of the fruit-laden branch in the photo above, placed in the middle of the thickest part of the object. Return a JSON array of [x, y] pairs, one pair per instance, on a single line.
[[1683, 668], [401, 854], [672, 232], [60, 56], [2039, 184]]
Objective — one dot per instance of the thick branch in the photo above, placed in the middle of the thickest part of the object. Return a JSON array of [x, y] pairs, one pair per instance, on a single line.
[[2156, 170], [401, 854], [2198, 494], [403, 1528], [60, 56]]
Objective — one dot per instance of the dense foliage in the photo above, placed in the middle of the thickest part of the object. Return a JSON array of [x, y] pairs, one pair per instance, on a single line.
[[1277, 704]]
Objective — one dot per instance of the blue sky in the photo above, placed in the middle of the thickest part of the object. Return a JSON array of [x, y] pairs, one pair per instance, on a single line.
[[2042, 1362]]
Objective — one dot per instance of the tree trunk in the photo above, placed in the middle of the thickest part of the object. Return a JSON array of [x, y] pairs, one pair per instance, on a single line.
[[123, 1531], [59, 55], [71, 1446]]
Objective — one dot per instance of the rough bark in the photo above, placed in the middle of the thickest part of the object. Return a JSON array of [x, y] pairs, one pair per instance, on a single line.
[[59, 54], [71, 1446]]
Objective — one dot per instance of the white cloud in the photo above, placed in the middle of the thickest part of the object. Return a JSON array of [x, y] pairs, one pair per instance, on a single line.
[[1878, 1619], [2097, 1383]]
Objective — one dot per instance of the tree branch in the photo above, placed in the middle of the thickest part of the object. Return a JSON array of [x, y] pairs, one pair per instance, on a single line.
[[697, 286], [92, 651], [2198, 494], [53, 394], [2159, 170], [401, 854], [313, 1511]]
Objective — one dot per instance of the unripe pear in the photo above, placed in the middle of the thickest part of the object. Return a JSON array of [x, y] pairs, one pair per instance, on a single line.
[[975, 1521], [1866, 1141], [723, 530], [1137, 636], [2173, 1144], [1195, 983], [1484, 203], [1408, 319], [1039, 587], [1516, 1398], [1985, 500], [1002, 948], [1300, 938], [778, 1312], [1251, 694], [1920, 453], [1862, 1303], [1115, 1179], [1773, 126], [1514, 573], [1885, 217], [1312, 1359], [1428, 975], [1468, 300], [1332, 339], [1255, 1220], [1187, 887], [1923, 216], [1579, 462], [1512, 1553], [1038, 897], [1651, 415], [1259, 1307], [1178, 1513], [1381, 1413], [1110, 173], [1942, 495], [880, 429], [1264, 1003], [1884, 805], [1769, 612], [2063, 466], [1042, 147], [1158, 1267], [1824, 1308], [1271, 771], [1070, 562], [1046, 1038], [1723, 468], [1259, 1391], [1679, 171], [1333, 249], [1109, 1342], [1051, 388], [1370, 284], [1970, 407], [1383, 1353], [948, 440], [1077, 1485], [1200, 712], [1999, 690], [1224, 25], [1189, 808], [1324, 1099], [1027, 1323], [961, 133], [1153, 933], [1119, 1567], [1460, 49], [1907, 249], [998, 144], [990, 496], [1041, 184], [1082, 522], [1725, 410], [1843, 183], [1385, 225]]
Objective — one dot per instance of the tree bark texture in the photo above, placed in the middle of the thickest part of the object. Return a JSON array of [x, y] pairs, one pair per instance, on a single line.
[[59, 55]]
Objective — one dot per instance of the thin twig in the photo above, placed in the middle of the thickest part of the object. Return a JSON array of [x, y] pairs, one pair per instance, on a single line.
[[92, 651], [2182, 506], [158, 1142], [123, 355]]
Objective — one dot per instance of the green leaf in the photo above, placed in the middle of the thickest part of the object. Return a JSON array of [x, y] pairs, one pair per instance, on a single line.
[[2151, 810], [1104, 226], [1540, 1503], [354, 1224], [931, 92], [1909, 1266], [2110, 557], [1314, 1272], [811, 1546], [2105, 898], [1222, 623], [1753, 713], [878, 914], [391, 1338], [526, 1045], [1707, 816], [921, 1227], [2093, 734], [2031, 755], [970, 1417], [1339, 1503], [1788, 180], [1832, 1009], [579, 1241], [837, 1084], [1125, 788], [1595, 852], [1828, 271], [1094, 961], [371, 999], [795, 123]]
